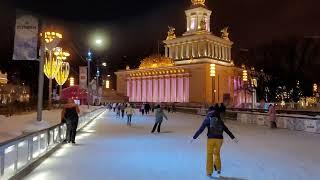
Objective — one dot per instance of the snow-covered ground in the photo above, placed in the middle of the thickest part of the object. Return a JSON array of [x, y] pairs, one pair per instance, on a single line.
[[12, 127], [108, 149]]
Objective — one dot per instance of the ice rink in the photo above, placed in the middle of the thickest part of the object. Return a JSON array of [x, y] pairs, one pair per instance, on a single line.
[[107, 149]]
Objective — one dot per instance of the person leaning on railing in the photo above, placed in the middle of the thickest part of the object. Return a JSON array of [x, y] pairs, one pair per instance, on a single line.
[[70, 116]]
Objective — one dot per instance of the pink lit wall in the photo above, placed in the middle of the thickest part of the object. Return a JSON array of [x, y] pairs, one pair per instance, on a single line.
[[134, 91], [144, 90], [180, 89], [149, 91], [139, 83], [161, 90], [168, 88], [173, 89], [155, 90]]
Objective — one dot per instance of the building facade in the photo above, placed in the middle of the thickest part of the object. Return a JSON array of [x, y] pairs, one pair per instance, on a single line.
[[197, 67]]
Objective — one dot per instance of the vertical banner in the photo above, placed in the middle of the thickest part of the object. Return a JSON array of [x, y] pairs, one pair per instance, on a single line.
[[26, 38], [83, 77]]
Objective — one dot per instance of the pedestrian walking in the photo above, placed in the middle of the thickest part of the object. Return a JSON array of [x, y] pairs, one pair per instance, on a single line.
[[147, 108], [122, 108], [70, 117], [118, 110], [159, 118], [272, 116], [142, 108], [215, 127], [129, 111], [114, 106]]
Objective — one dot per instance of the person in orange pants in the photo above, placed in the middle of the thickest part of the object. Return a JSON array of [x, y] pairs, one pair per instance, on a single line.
[[215, 127]]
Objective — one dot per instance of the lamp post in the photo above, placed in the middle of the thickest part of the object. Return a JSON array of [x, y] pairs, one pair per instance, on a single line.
[[62, 76], [49, 40], [245, 80], [89, 58], [213, 75], [63, 72]]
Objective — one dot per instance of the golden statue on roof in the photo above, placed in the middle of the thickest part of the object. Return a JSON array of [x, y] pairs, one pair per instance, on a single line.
[[171, 33], [198, 2], [225, 33], [156, 61]]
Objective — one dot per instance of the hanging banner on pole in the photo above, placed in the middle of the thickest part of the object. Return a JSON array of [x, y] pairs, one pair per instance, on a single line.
[[83, 73], [26, 38]]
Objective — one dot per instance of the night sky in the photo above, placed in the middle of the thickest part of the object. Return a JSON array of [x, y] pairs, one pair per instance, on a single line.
[[135, 27]]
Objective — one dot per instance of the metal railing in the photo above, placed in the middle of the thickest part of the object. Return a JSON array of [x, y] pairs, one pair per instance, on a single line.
[[19, 153]]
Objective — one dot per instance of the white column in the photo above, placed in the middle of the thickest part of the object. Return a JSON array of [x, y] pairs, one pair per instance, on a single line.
[[229, 52], [188, 50], [208, 48], [212, 50], [193, 50], [170, 51], [219, 51], [182, 51], [166, 51], [177, 52]]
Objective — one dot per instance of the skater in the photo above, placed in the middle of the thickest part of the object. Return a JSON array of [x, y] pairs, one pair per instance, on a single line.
[[122, 107], [70, 117], [147, 108], [114, 106], [222, 110], [118, 110], [142, 108], [129, 111], [215, 127], [159, 118], [272, 117]]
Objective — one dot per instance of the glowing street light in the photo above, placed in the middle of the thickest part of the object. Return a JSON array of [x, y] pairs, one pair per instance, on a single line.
[[107, 84], [71, 81], [213, 75], [99, 41], [104, 64]]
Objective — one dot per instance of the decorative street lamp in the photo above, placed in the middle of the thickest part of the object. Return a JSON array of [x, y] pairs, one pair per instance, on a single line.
[[51, 64], [213, 75], [51, 68], [62, 76]]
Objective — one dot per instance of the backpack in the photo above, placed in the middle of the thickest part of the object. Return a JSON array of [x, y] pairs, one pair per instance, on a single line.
[[216, 127]]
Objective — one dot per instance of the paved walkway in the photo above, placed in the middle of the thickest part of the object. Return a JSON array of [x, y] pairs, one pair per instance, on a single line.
[[109, 150]]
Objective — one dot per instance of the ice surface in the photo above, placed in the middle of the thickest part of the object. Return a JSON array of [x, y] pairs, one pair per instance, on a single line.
[[109, 150]]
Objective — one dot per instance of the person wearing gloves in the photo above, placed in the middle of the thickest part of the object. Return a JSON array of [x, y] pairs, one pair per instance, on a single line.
[[159, 118], [215, 127]]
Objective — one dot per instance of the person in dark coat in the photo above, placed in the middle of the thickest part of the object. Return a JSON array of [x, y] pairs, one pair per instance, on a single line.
[[159, 118], [147, 108], [215, 127], [70, 117]]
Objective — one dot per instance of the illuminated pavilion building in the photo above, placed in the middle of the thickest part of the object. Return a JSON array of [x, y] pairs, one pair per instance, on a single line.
[[183, 74]]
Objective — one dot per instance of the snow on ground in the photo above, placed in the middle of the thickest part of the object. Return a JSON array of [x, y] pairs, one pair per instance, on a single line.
[[12, 127], [108, 149]]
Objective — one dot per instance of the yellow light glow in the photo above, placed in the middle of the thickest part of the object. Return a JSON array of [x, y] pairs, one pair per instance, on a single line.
[[245, 75], [156, 61], [63, 73], [212, 70], [71, 81], [51, 66], [107, 84]]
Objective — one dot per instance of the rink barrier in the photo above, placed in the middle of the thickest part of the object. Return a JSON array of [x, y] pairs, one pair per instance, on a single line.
[[285, 121], [18, 154]]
